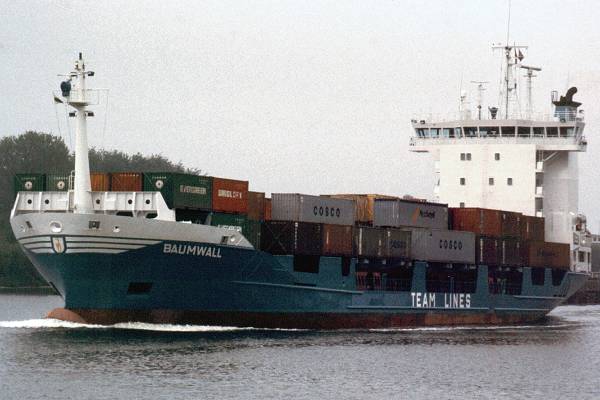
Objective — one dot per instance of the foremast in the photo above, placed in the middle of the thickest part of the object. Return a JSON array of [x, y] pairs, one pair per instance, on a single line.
[[77, 96]]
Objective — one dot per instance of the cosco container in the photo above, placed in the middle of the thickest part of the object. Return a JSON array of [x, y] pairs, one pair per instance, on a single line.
[[100, 181], [181, 190], [29, 183], [481, 221], [397, 213], [291, 237], [337, 240], [511, 223], [364, 205], [229, 195], [488, 250], [511, 252], [126, 181], [256, 206], [547, 254], [315, 209], [442, 245], [381, 242], [57, 182], [532, 228]]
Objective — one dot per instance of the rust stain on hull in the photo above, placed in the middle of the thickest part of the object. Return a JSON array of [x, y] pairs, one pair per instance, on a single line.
[[294, 320]]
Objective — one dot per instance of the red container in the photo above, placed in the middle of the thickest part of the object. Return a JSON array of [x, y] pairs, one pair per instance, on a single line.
[[532, 228], [547, 254], [487, 250], [100, 181], [268, 208], [229, 195], [481, 221], [511, 252], [256, 206], [126, 181], [337, 240], [511, 223]]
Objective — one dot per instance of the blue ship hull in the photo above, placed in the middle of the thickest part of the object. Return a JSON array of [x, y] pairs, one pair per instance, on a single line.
[[245, 287]]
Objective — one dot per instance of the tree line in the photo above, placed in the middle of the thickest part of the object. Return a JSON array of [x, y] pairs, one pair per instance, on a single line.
[[39, 152]]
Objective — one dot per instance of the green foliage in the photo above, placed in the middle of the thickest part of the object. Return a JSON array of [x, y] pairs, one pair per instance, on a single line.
[[37, 152]]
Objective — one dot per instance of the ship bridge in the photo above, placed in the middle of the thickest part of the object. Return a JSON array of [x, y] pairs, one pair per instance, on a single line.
[[525, 163]]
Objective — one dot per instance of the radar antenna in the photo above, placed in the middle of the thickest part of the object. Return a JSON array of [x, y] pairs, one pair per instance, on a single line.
[[529, 75], [480, 90]]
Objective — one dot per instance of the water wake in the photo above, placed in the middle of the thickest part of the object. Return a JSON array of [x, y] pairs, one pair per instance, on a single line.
[[55, 323]]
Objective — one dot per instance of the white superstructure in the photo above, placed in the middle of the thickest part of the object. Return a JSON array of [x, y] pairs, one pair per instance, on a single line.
[[505, 159]]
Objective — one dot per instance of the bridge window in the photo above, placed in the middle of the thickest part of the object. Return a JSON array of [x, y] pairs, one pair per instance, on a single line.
[[422, 132], [471, 131], [508, 131], [524, 131], [538, 131], [551, 131], [462, 204], [492, 131], [457, 132], [447, 132], [567, 131], [434, 132]]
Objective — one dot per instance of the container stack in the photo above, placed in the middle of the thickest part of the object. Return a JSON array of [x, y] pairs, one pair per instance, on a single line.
[[509, 239]]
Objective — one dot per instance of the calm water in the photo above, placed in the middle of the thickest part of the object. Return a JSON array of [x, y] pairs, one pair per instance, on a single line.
[[45, 359]]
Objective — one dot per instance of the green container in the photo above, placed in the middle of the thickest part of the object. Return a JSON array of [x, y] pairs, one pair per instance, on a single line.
[[250, 229], [181, 190], [29, 183], [57, 182]]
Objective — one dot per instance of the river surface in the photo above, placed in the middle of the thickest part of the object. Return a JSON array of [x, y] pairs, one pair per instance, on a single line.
[[49, 359]]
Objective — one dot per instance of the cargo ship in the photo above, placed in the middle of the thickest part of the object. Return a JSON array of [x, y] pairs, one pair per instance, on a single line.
[[187, 249]]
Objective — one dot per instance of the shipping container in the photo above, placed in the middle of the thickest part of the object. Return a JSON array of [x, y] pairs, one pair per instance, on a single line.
[[58, 182], [442, 245], [488, 250], [229, 195], [126, 181], [337, 240], [236, 222], [398, 213], [316, 209], [532, 228], [256, 206], [268, 208], [29, 183], [364, 204], [100, 181], [181, 190], [511, 223], [369, 242], [547, 254], [397, 243], [481, 221], [290, 237], [511, 252]]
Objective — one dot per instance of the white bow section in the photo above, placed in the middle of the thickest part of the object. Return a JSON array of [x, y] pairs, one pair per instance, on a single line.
[[139, 204]]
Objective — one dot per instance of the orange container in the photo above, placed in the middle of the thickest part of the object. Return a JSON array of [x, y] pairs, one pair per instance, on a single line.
[[100, 181], [256, 206], [547, 254], [337, 240], [229, 195], [126, 181], [267, 209], [481, 221]]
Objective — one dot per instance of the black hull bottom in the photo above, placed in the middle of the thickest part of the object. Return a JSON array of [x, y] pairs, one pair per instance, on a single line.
[[372, 320]]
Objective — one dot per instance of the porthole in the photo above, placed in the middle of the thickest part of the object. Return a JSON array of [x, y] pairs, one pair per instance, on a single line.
[[129, 201], [56, 227], [116, 229]]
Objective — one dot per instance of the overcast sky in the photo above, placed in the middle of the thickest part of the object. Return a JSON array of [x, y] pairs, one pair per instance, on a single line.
[[302, 96]]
